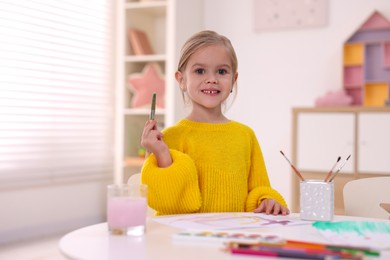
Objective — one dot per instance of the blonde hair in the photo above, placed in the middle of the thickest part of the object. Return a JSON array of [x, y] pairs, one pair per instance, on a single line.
[[203, 39]]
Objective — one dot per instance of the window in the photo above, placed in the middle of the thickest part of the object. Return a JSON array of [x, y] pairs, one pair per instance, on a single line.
[[56, 90]]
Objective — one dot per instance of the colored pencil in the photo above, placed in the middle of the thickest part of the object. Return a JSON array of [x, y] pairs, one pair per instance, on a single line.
[[293, 167], [346, 250], [280, 252]]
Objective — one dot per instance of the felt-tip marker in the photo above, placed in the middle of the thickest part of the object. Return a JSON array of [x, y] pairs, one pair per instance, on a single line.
[[153, 107]]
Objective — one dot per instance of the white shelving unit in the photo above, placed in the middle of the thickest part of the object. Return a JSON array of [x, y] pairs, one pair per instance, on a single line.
[[167, 23]]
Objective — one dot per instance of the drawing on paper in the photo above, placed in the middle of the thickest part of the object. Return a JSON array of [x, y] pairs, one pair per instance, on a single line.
[[228, 221], [356, 233]]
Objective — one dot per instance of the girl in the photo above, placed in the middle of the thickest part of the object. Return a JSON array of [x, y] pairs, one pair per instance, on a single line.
[[206, 162]]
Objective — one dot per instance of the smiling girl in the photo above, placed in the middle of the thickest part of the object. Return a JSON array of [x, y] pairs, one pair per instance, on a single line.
[[207, 162]]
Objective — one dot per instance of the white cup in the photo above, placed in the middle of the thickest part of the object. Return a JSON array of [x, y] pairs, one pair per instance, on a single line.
[[126, 209], [316, 200]]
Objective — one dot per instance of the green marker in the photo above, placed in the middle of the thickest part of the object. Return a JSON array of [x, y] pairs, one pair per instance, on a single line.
[[153, 108]]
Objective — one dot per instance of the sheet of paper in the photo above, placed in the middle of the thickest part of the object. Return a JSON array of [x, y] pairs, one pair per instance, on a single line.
[[356, 233], [228, 221]]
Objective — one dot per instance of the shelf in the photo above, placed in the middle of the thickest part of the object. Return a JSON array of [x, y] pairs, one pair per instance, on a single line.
[[366, 63], [353, 75], [353, 86], [150, 17], [353, 54], [145, 58], [376, 94], [356, 94], [147, 5], [161, 21], [142, 111], [134, 161], [386, 55]]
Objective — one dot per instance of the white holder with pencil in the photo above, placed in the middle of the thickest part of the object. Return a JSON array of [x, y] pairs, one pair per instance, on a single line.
[[316, 200], [317, 196]]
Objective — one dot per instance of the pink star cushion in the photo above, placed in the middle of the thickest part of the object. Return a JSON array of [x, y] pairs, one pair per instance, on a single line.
[[142, 85]]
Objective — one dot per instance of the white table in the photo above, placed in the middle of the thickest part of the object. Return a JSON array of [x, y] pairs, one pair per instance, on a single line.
[[94, 242]]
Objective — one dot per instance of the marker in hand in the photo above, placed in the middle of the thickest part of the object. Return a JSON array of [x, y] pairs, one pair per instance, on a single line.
[[153, 108]]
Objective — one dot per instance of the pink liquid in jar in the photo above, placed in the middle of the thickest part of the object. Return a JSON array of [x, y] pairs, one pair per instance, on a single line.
[[124, 212]]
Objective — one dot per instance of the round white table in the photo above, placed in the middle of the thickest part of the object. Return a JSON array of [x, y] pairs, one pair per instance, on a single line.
[[94, 242]]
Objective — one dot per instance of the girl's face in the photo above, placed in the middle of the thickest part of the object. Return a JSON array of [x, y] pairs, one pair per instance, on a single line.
[[208, 77]]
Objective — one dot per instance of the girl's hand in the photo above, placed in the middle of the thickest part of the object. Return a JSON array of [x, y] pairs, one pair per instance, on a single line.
[[152, 141], [270, 206]]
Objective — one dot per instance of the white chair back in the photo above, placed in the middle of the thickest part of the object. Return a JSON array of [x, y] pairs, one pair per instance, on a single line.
[[363, 197], [136, 179]]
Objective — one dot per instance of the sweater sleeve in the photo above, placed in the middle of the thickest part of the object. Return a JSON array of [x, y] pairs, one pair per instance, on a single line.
[[175, 189], [258, 194], [258, 181]]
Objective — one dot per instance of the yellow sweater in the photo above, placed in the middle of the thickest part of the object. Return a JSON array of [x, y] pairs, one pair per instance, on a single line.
[[216, 168]]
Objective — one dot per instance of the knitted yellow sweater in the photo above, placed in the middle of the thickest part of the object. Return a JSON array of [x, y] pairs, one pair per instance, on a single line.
[[216, 168]]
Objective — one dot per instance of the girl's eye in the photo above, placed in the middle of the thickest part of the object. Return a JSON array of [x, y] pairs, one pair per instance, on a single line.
[[199, 71], [222, 71]]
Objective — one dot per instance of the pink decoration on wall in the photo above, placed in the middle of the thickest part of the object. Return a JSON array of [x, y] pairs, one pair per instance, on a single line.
[[289, 14], [144, 84], [334, 98]]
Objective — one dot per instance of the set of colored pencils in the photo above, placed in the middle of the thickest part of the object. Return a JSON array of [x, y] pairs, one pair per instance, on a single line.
[[300, 250]]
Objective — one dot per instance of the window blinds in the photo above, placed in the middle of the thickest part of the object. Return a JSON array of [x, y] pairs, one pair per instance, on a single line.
[[56, 90]]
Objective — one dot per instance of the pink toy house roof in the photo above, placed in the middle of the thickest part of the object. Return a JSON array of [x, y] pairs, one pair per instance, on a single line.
[[376, 21], [375, 29]]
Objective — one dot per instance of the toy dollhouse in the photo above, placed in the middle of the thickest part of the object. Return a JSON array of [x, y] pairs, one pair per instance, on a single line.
[[367, 62]]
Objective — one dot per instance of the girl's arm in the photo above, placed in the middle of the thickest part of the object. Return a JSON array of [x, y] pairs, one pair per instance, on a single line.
[[152, 141], [173, 189]]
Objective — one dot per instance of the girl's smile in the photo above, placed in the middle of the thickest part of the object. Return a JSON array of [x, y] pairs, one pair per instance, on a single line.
[[211, 91]]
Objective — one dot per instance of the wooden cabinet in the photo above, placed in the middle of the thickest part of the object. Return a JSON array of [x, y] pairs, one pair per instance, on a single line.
[[374, 143], [320, 135], [165, 24]]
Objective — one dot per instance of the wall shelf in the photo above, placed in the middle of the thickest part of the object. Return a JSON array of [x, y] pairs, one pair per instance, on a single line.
[[161, 21], [367, 60]]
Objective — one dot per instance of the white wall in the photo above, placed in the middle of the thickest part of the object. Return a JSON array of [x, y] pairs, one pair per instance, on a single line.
[[48, 209], [279, 70]]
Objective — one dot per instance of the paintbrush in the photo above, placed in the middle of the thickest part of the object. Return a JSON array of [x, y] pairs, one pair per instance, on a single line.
[[293, 167], [153, 107], [331, 170], [338, 170]]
